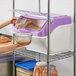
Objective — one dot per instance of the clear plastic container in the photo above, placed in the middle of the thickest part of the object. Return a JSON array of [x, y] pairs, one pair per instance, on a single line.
[[40, 66], [20, 22], [27, 23], [53, 71]]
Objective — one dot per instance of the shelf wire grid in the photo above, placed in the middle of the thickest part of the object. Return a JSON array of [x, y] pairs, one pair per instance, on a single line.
[[43, 57]]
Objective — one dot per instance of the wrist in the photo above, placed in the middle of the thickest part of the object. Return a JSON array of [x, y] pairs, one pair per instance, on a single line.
[[9, 21]]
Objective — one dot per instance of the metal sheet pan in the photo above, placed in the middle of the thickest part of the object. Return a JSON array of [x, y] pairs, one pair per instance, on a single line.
[[9, 36]]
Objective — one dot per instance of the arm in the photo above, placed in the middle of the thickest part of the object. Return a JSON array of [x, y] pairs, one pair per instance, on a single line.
[[7, 22], [9, 48]]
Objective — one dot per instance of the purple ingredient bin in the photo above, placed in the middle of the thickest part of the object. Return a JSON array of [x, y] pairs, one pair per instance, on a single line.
[[55, 21]]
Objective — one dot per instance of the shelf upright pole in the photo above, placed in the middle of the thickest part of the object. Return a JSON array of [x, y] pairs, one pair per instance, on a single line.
[[48, 38], [39, 6], [74, 37], [39, 10], [13, 57], [13, 8], [13, 41]]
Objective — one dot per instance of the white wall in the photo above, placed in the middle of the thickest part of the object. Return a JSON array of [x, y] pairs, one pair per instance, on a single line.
[[65, 67], [5, 6], [57, 6]]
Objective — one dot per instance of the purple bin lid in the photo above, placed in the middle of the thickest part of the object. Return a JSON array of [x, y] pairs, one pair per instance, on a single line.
[[55, 21]]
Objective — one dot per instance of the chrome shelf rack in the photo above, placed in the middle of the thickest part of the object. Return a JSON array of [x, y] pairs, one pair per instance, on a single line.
[[43, 57], [47, 57]]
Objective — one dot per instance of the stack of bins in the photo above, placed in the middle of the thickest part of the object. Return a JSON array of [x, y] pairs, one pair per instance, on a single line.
[[25, 68], [23, 72]]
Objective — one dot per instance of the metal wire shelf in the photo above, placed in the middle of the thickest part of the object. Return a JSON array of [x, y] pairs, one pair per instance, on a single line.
[[54, 57], [43, 57]]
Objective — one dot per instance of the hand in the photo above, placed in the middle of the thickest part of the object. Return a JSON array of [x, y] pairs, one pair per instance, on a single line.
[[13, 20]]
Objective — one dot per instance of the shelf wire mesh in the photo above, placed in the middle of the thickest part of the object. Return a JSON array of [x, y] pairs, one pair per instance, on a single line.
[[43, 57]]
